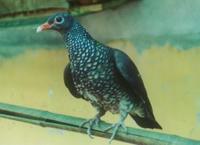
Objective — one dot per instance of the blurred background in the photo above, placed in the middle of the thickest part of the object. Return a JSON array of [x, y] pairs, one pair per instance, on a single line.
[[162, 37]]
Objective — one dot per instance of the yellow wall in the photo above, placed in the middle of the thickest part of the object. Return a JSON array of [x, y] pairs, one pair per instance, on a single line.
[[35, 79]]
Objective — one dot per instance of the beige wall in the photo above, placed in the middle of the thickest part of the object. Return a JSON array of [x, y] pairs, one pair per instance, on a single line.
[[35, 79]]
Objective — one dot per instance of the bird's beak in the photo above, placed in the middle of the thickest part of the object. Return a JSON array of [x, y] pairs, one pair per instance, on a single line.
[[43, 27]]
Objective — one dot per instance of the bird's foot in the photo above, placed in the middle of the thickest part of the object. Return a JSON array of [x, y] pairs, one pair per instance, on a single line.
[[91, 123], [115, 128]]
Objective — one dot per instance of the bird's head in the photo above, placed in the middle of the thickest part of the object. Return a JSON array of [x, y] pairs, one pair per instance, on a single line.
[[61, 22]]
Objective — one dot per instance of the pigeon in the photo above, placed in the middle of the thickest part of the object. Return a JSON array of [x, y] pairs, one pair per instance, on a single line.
[[105, 77]]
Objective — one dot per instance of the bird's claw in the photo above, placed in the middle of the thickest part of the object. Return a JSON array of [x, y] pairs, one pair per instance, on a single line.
[[91, 123], [115, 128]]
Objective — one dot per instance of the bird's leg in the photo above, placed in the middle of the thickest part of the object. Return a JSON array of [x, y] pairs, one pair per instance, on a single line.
[[124, 108], [117, 125], [93, 121]]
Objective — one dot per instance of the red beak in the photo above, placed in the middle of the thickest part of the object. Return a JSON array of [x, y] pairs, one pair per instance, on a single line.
[[43, 27]]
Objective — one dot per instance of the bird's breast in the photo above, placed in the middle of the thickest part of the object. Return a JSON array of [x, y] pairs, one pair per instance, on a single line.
[[95, 78], [98, 86]]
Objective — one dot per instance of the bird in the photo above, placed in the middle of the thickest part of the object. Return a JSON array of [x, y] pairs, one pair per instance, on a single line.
[[105, 77]]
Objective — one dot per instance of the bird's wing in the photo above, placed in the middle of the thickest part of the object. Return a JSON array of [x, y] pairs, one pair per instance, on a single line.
[[131, 77], [69, 82]]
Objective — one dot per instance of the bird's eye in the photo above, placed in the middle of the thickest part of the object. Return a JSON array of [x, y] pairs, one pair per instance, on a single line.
[[59, 20]]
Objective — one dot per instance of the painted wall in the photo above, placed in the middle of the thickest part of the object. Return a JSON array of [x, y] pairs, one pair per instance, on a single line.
[[147, 22], [157, 35], [35, 79], [144, 23]]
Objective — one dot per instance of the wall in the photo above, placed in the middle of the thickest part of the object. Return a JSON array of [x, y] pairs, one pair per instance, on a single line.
[[147, 22], [162, 37], [144, 23]]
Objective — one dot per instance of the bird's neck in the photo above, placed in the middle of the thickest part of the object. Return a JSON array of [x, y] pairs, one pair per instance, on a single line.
[[81, 45]]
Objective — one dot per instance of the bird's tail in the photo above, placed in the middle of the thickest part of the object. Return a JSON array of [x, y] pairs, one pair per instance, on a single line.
[[146, 122]]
